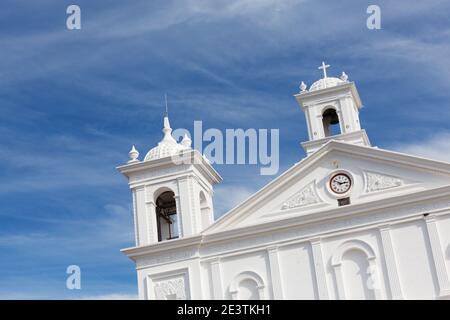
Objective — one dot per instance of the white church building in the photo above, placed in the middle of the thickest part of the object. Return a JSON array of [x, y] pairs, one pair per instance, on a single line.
[[349, 221]]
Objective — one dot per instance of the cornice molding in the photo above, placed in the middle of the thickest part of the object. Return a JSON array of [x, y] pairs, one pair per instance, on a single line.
[[165, 252], [189, 158], [162, 247], [305, 98], [339, 212]]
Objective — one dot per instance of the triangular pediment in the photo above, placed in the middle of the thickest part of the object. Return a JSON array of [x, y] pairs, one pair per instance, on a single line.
[[305, 188]]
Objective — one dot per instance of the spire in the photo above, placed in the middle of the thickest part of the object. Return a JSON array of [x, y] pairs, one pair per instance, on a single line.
[[168, 146], [167, 130]]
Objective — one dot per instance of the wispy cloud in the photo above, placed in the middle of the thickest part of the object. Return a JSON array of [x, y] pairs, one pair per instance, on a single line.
[[73, 162], [77, 236], [436, 147], [63, 242]]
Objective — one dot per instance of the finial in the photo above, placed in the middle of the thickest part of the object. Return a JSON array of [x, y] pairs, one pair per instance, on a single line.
[[324, 68], [303, 87], [166, 117], [186, 142], [344, 77], [134, 154], [167, 108], [167, 130]]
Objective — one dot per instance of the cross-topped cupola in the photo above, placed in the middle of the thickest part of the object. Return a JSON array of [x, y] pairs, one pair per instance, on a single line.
[[331, 107]]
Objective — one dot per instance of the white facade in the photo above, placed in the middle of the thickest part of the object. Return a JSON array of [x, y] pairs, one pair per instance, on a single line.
[[349, 221]]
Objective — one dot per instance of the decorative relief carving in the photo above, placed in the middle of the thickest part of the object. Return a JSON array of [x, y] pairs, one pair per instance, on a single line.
[[305, 197], [377, 181], [170, 289]]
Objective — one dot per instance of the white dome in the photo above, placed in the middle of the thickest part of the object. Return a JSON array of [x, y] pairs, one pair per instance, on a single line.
[[164, 149], [168, 146], [325, 83]]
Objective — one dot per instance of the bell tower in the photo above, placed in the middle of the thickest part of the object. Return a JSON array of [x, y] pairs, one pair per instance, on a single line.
[[331, 107], [172, 190]]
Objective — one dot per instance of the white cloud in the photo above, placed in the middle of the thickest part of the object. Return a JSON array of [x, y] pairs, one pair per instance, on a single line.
[[75, 161], [436, 147], [78, 237]]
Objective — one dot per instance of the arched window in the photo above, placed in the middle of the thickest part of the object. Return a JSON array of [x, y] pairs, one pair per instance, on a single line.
[[166, 211], [247, 286], [248, 290], [205, 210], [355, 269], [356, 276], [330, 120]]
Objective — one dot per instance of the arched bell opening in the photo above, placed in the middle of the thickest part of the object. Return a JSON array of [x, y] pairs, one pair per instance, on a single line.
[[330, 120], [166, 211]]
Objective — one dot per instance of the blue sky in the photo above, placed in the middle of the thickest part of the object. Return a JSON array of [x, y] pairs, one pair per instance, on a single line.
[[73, 102]]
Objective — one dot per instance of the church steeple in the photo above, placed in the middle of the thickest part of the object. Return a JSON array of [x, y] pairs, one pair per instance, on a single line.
[[331, 107], [172, 189]]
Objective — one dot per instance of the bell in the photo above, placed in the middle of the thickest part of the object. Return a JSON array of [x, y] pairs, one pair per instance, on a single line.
[[334, 118], [330, 116]]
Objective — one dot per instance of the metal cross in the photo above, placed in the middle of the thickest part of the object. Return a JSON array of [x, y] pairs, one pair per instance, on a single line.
[[324, 68]]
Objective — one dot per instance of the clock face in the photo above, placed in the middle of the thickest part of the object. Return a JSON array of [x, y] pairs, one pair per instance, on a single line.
[[340, 183]]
